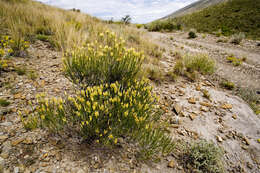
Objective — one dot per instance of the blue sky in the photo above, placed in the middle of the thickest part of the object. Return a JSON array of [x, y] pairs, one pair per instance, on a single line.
[[141, 11]]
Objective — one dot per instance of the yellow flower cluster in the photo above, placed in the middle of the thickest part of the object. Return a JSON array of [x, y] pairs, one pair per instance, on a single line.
[[5, 46], [101, 112]]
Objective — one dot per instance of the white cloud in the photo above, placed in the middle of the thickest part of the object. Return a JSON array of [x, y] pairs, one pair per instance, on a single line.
[[141, 11]]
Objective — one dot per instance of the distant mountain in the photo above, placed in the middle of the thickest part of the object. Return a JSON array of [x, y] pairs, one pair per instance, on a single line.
[[196, 6]]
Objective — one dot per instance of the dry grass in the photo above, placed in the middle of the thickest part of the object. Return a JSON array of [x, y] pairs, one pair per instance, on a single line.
[[65, 29]]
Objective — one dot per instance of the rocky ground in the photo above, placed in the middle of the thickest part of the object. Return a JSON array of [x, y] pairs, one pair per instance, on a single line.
[[223, 118]]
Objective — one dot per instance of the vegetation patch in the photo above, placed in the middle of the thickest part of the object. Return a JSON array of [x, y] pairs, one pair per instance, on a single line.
[[111, 101], [163, 25], [21, 70], [235, 61], [227, 84], [229, 18], [203, 156], [251, 97], [153, 72], [237, 38], [192, 34], [4, 103]]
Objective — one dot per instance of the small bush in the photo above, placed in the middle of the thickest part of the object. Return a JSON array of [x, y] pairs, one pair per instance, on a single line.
[[191, 66], [201, 63], [5, 46], [172, 76], [3, 65], [138, 26], [192, 34], [153, 72], [20, 70], [237, 38], [203, 156], [4, 103], [96, 63], [228, 85], [235, 61], [104, 113], [251, 97]]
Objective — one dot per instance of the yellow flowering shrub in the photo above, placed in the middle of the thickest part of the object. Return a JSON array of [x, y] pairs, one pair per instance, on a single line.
[[14, 47], [104, 113], [5, 43], [104, 61], [5, 51]]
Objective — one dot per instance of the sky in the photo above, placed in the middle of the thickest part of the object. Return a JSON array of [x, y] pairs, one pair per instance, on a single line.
[[141, 11]]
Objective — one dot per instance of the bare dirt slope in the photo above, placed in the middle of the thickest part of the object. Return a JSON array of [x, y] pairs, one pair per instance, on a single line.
[[245, 75], [224, 118]]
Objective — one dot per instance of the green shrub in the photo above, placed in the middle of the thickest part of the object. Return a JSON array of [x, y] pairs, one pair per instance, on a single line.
[[203, 156], [153, 72], [138, 26], [163, 25], [228, 85], [200, 62], [192, 34], [237, 38], [235, 61], [103, 63], [191, 66], [4, 103]]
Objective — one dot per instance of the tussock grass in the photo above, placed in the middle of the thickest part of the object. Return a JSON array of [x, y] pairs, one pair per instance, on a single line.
[[202, 156]]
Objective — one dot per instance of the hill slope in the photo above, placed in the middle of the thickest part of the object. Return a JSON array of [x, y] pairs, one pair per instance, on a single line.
[[196, 6], [231, 17]]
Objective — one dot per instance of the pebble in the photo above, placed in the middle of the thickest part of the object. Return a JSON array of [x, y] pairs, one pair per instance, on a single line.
[[3, 137], [6, 124], [219, 139], [192, 116], [226, 106], [16, 170], [177, 108], [192, 100], [171, 164], [234, 116], [18, 141]]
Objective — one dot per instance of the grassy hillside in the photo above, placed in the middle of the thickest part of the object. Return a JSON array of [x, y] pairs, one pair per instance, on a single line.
[[231, 17], [196, 6], [29, 20]]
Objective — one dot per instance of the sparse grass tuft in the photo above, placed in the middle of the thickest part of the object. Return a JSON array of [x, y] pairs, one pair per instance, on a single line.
[[21, 70], [202, 157], [206, 94], [235, 61], [237, 38], [201, 63], [227, 84], [4, 103], [153, 72], [251, 97]]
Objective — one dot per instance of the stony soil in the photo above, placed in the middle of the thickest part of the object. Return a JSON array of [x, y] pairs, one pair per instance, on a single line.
[[224, 118]]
